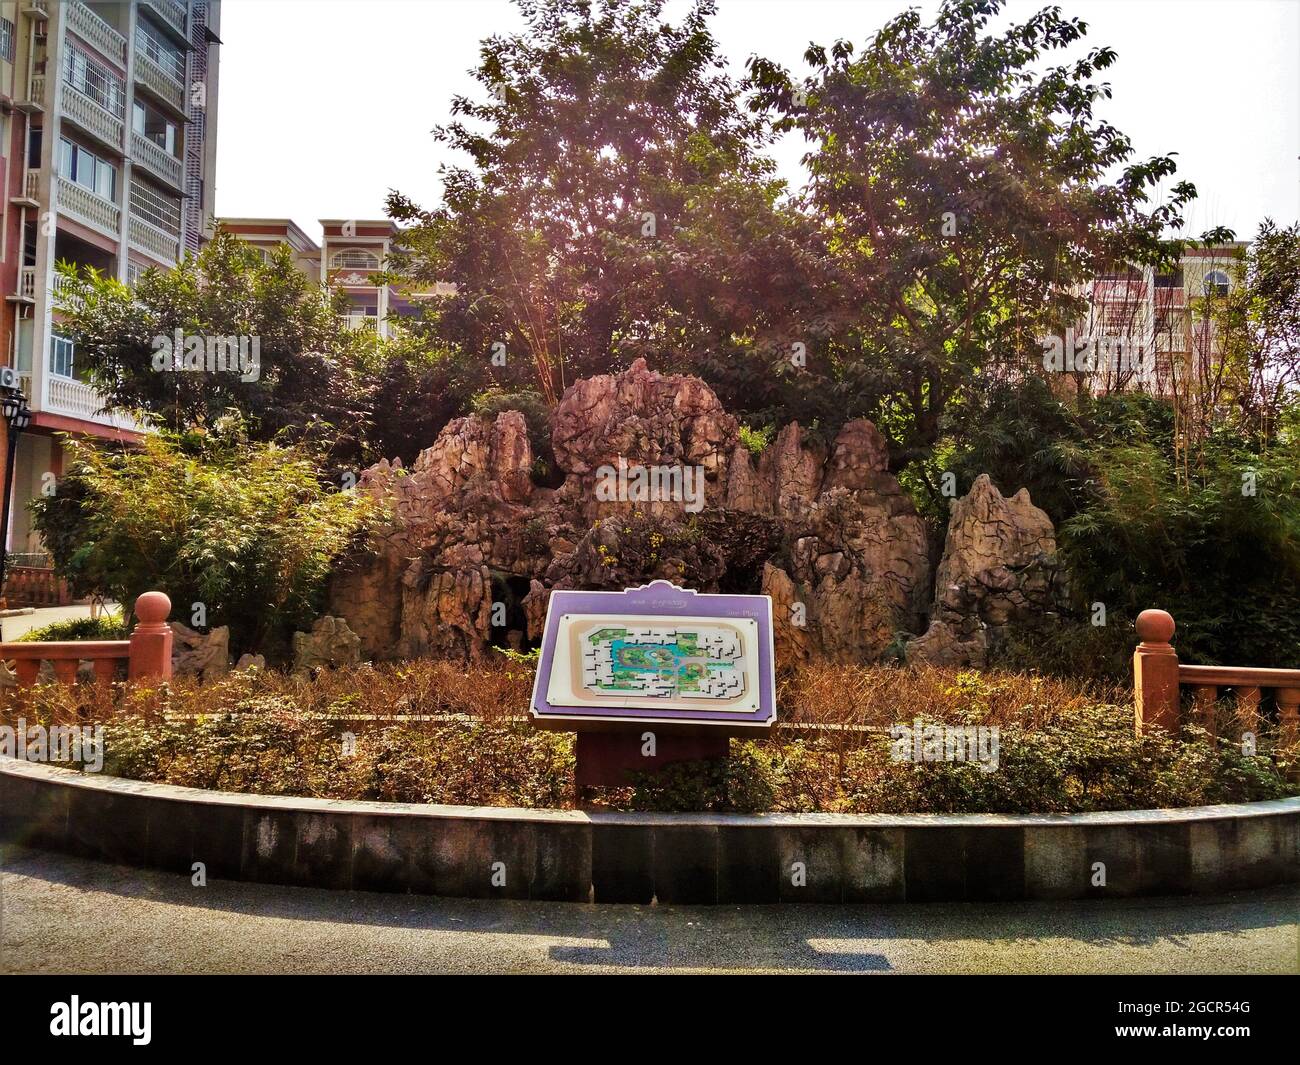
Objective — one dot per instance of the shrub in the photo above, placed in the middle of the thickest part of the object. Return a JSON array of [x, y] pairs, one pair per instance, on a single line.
[[465, 741], [104, 627], [246, 529]]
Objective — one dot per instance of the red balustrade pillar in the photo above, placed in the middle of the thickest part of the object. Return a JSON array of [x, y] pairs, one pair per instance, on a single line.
[[1155, 672], [151, 639]]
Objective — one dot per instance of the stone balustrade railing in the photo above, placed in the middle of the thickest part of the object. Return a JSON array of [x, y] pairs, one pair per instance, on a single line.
[[1158, 680], [148, 653]]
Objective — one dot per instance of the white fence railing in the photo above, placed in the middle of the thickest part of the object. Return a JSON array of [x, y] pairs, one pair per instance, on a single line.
[[170, 12], [92, 118], [27, 282], [32, 185], [156, 160], [85, 206], [95, 31], [154, 241], [152, 76], [76, 399]]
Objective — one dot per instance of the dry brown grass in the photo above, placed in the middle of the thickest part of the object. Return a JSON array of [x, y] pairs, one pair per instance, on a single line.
[[826, 693], [817, 694]]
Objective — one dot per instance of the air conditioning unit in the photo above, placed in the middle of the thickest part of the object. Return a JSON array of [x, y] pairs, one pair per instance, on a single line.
[[9, 379]]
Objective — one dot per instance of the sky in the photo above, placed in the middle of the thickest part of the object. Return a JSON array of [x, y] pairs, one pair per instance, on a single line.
[[326, 104]]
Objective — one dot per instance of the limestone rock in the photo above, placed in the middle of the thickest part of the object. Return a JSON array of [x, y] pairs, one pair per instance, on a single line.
[[943, 645], [330, 643], [999, 560], [828, 531], [247, 662], [200, 654]]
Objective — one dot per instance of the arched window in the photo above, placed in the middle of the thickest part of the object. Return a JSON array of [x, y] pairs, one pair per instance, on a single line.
[[1216, 283], [354, 259]]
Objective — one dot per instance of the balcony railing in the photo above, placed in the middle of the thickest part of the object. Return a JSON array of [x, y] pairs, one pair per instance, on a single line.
[[96, 32], [154, 241], [61, 287], [172, 13], [162, 84], [27, 282], [36, 92], [361, 322], [157, 161], [92, 118], [32, 185], [85, 206], [76, 399]]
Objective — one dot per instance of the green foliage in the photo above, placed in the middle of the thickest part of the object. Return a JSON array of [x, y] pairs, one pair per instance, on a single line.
[[107, 626], [1083, 762], [615, 203], [1223, 561], [966, 187], [756, 441], [313, 380], [245, 528], [491, 402]]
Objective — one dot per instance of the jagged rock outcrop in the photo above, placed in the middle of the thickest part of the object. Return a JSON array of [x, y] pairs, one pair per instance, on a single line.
[[999, 566], [330, 643], [200, 654], [474, 547]]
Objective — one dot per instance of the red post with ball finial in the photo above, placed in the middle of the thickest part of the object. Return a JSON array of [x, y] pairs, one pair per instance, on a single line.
[[1155, 672], [151, 639]]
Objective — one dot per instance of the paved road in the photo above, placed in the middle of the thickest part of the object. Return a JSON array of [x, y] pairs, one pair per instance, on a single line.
[[58, 914]]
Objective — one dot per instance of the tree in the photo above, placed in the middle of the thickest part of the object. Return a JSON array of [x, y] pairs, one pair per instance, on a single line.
[[616, 204], [967, 196], [172, 347], [245, 529], [1257, 322]]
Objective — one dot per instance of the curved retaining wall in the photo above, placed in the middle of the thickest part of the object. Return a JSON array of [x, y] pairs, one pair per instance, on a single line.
[[486, 852]]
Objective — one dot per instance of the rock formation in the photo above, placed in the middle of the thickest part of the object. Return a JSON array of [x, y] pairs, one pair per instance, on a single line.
[[999, 566], [656, 484], [330, 643], [200, 654]]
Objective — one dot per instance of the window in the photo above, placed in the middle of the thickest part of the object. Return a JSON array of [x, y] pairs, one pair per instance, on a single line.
[[95, 80], [6, 40], [60, 356], [153, 42], [133, 272], [86, 168], [354, 258], [1216, 283], [154, 127], [1173, 279], [158, 208]]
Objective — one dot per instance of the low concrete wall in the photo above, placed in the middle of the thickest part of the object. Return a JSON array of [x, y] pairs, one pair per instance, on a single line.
[[487, 852]]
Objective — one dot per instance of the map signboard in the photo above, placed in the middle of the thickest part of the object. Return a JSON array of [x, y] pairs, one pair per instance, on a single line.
[[656, 653]]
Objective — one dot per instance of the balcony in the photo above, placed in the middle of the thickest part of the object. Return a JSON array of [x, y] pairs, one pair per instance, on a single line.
[[361, 322], [90, 209], [170, 13], [157, 161], [159, 82], [30, 194], [163, 246], [36, 9], [96, 32], [76, 399], [34, 104], [89, 116], [60, 286]]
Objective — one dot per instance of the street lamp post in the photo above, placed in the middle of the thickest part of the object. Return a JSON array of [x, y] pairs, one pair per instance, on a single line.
[[17, 417]]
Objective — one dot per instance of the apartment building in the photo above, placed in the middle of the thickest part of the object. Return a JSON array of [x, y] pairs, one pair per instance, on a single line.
[[266, 234], [351, 256], [109, 116], [1147, 329]]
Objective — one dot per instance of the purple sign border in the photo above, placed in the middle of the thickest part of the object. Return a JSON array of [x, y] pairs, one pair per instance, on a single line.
[[658, 597]]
